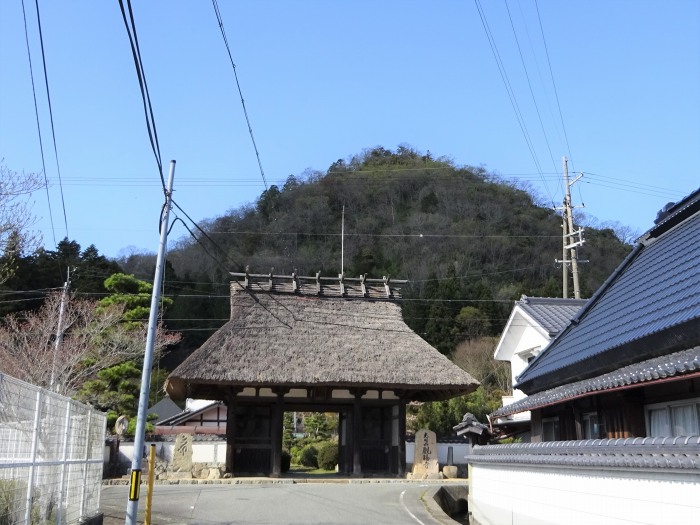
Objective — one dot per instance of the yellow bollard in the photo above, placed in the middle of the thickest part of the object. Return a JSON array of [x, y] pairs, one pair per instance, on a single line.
[[151, 475]]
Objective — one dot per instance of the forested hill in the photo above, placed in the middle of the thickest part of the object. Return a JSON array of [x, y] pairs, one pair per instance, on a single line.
[[468, 243]]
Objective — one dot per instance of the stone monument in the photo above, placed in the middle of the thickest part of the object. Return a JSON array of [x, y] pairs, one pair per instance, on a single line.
[[425, 462], [182, 455]]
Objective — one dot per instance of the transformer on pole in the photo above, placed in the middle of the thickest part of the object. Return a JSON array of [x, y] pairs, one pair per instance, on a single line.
[[571, 239]]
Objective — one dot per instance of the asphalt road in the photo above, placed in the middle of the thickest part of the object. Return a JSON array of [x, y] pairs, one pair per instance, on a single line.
[[288, 504]]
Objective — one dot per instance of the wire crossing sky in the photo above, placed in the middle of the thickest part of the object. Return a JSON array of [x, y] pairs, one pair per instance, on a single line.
[[613, 85]]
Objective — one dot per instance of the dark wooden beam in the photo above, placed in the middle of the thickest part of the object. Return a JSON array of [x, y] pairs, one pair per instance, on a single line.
[[357, 435], [277, 424], [231, 429], [402, 438]]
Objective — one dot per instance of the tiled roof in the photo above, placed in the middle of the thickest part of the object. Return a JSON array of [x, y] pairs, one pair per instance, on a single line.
[[186, 414], [650, 306], [672, 365], [165, 409], [553, 314], [648, 453]]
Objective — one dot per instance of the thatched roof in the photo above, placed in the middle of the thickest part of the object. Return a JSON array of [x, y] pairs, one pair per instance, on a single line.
[[296, 340]]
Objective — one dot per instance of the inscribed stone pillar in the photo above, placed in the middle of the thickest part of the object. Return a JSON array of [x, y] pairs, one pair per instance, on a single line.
[[182, 454], [425, 462]]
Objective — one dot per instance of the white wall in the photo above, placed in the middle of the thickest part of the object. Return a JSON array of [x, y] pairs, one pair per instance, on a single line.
[[532, 495], [215, 452], [459, 451], [202, 451]]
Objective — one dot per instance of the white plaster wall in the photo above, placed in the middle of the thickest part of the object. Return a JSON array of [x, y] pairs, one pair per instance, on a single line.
[[202, 452], [215, 452], [459, 451], [505, 494], [164, 452]]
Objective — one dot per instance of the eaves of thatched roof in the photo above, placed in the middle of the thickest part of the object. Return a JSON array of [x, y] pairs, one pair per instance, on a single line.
[[298, 341]]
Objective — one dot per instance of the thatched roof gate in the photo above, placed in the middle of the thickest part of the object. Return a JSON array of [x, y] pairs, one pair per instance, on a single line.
[[333, 341]]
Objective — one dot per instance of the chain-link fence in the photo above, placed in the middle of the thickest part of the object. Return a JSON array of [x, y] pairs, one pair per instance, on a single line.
[[51, 456]]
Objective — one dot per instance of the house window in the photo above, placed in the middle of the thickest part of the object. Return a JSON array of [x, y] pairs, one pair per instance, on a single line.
[[680, 418], [550, 429], [591, 427]]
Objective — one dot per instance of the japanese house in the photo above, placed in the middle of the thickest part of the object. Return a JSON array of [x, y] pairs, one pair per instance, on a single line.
[[532, 323], [628, 365]]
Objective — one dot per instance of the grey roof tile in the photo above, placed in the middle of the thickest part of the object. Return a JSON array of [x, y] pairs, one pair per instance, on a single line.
[[681, 453], [553, 314], [676, 364]]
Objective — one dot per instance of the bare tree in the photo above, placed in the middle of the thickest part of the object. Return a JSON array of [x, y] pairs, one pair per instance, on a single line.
[[93, 338], [16, 219], [476, 357]]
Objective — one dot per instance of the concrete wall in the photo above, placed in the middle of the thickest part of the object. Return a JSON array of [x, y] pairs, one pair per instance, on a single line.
[[532, 495]]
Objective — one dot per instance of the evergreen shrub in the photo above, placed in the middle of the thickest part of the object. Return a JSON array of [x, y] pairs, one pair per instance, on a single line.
[[286, 461], [328, 455], [309, 456]]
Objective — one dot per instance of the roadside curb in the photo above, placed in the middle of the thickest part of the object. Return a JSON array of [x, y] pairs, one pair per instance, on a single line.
[[287, 481]]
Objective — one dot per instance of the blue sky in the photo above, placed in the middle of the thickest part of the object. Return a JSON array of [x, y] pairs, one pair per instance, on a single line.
[[325, 80]]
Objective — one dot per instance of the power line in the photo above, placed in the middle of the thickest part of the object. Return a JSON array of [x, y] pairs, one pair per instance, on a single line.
[[554, 85], [240, 92], [364, 179], [506, 83], [53, 131], [130, 26], [388, 235], [38, 126], [532, 93], [363, 176], [220, 263], [206, 235]]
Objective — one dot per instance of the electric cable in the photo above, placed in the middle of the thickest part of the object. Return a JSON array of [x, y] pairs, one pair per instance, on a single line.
[[390, 235], [53, 131], [554, 85], [130, 26], [220, 263], [240, 92], [506, 83], [364, 178], [532, 93], [38, 126]]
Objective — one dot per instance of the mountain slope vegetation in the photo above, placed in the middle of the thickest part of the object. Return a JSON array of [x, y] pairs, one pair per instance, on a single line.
[[468, 242]]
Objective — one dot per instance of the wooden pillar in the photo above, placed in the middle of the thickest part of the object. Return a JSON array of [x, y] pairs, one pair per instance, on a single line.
[[230, 430], [357, 433], [536, 426], [277, 425], [342, 441], [402, 438]]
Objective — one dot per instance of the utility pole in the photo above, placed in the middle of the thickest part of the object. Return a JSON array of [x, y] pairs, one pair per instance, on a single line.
[[59, 331], [564, 236], [571, 239], [140, 435]]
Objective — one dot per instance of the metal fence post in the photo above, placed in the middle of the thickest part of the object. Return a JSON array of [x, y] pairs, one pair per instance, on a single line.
[[33, 453], [64, 464], [87, 464]]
